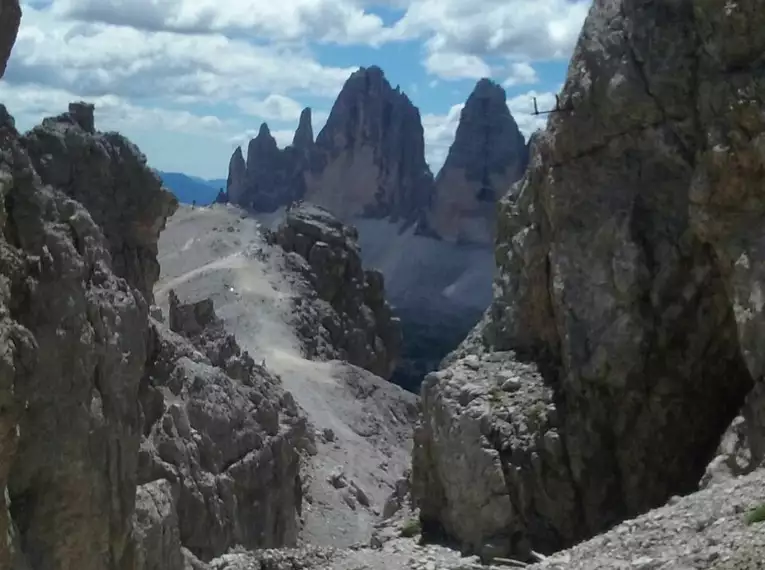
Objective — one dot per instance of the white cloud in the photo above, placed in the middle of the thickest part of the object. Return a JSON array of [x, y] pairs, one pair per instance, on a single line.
[[521, 73], [170, 66], [274, 107], [341, 21], [522, 107], [518, 30], [456, 66], [100, 59], [439, 135], [29, 105]]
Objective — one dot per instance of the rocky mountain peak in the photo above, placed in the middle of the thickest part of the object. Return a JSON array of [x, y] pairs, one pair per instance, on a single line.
[[236, 184], [370, 156], [303, 138], [488, 154]]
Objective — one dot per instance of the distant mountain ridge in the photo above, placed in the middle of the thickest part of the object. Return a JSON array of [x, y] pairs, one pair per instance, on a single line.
[[368, 161], [192, 189]]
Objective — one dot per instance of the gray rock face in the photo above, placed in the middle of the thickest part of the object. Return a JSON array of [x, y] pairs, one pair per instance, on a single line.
[[74, 347], [357, 319], [108, 175], [237, 177], [272, 177], [220, 456], [629, 278], [303, 139], [489, 153], [10, 17], [369, 158], [742, 446]]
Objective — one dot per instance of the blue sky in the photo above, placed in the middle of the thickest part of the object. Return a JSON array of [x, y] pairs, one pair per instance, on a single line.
[[189, 80]]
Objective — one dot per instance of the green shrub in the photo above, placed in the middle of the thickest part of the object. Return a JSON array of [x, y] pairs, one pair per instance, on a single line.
[[411, 528], [756, 515]]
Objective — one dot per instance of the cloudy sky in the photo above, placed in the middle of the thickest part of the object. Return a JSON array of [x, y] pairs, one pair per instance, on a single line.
[[189, 80]]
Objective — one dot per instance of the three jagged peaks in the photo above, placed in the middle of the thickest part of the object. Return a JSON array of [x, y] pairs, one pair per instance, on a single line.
[[369, 161]]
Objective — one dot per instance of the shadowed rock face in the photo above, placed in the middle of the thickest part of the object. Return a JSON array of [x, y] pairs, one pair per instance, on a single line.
[[108, 175], [489, 153], [369, 158], [237, 177], [10, 17], [74, 333], [630, 272], [357, 319], [221, 445]]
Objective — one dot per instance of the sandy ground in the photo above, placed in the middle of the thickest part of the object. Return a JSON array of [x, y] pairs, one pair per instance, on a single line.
[[362, 420]]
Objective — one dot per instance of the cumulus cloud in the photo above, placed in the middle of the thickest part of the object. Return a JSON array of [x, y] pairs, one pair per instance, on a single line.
[[29, 104], [439, 135], [99, 59], [274, 107], [522, 107], [521, 73], [175, 64], [341, 21], [512, 30]]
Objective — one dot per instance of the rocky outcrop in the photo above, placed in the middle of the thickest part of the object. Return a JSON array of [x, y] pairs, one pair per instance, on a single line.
[[236, 184], [488, 154], [74, 335], [629, 282], [108, 175], [369, 158], [303, 139], [123, 445], [10, 17], [742, 446], [271, 177], [356, 324], [220, 458]]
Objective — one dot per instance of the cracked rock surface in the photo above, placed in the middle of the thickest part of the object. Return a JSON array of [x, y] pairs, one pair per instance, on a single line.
[[629, 283]]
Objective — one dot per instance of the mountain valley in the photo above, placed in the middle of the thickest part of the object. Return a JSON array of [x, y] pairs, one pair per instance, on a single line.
[[548, 355]]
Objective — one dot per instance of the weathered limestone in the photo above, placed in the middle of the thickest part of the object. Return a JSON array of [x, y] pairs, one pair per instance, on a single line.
[[357, 319], [630, 273]]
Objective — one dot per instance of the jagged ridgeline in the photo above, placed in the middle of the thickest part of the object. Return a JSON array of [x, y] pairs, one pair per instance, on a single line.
[[431, 238]]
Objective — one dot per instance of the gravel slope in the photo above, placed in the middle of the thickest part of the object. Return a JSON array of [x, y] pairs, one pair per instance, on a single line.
[[363, 423]]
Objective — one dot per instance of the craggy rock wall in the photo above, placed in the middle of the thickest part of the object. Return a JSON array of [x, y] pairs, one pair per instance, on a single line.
[[123, 445], [630, 281], [355, 322], [75, 336]]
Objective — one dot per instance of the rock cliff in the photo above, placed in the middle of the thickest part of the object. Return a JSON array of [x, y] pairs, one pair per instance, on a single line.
[[370, 156], [355, 318], [236, 185], [628, 292], [108, 175], [368, 160], [123, 445], [487, 156], [220, 456]]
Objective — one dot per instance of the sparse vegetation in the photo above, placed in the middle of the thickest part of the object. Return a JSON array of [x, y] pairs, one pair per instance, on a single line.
[[756, 515], [411, 528]]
